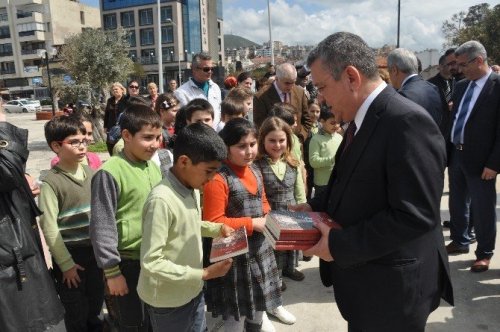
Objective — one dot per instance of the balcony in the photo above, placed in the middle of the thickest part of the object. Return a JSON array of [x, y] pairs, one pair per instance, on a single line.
[[28, 2], [7, 71], [30, 54], [31, 36], [32, 71], [29, 17]]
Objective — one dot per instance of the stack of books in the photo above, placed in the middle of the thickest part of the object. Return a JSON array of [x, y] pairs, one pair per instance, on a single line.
[[231, 246], [289, 230]]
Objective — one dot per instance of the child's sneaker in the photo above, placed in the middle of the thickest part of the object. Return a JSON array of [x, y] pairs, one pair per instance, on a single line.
[[283, 315], [267, 326]]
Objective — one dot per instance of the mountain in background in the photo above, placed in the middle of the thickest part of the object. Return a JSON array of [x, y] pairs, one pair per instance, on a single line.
[[233, 41]]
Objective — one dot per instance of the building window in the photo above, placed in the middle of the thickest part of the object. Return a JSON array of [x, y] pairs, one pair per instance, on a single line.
[[109, 21], [166, 14], [146, 16], [167, 34], [82, 17], [132, 55], [127, 19], [148, 56], [168, 54], [7, 68], [147, 36], [131, 38], [4, 32], [6, 50]]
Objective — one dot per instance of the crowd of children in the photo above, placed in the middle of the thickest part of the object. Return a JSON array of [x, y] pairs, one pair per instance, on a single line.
[[137, 218]]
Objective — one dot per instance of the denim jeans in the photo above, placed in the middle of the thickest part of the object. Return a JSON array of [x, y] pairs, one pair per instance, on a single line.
[[187, 318]]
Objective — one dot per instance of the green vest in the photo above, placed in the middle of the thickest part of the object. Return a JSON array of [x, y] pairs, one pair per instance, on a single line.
[[134, 180], [73, 200]]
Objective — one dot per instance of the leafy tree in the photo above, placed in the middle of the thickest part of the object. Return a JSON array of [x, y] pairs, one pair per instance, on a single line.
[[97, 58], [480, 23]]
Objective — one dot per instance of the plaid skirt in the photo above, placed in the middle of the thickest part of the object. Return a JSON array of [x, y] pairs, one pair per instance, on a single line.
[[252, 284], [287, 260]]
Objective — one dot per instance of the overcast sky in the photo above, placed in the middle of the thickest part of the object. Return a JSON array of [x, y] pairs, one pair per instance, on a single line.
[[309, 21]]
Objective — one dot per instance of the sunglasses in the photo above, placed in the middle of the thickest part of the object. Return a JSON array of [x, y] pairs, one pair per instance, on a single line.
[[207, 69], [133, 86]]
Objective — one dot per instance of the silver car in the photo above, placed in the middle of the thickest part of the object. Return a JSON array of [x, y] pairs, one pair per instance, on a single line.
[[20, 106]]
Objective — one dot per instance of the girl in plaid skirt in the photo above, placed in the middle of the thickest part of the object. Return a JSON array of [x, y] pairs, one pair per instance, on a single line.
[[236, 197]]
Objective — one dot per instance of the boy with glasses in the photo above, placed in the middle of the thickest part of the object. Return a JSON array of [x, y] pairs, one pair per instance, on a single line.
[[200, 85], [65, 202]]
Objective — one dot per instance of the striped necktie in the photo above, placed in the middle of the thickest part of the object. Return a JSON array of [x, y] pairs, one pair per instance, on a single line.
[[462, 115]]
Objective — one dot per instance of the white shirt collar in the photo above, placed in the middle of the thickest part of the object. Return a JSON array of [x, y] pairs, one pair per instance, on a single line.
[[280, 93], [482, 81], [360, 115]]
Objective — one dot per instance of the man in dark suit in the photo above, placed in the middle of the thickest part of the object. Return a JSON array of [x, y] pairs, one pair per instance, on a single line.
[[474, 154], [283, 90], [388, 265], [403, 71], [445, 83]]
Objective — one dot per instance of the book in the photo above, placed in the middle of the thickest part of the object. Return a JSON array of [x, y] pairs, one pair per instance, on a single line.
[[231, 246], [293, 245]]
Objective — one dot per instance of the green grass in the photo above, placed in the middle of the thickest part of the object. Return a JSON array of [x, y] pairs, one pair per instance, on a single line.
[[98, 147]]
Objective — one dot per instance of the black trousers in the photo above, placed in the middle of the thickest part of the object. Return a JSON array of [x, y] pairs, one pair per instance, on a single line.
[[84, 303]]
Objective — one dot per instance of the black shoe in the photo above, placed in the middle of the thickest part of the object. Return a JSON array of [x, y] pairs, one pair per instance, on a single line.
[[446, 224], [306, 258], [294, 275], [455, 249]]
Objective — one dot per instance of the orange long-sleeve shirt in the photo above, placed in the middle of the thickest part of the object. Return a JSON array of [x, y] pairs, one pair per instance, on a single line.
[[216, 194]]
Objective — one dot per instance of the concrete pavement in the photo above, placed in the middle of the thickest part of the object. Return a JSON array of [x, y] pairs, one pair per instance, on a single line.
[[477, 295]]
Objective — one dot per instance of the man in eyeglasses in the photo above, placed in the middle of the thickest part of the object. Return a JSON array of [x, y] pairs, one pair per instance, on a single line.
[[474, 154], [200, 85]]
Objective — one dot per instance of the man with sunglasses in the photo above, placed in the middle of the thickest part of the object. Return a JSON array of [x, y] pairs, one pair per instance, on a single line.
[[200, 85], [474, 154]]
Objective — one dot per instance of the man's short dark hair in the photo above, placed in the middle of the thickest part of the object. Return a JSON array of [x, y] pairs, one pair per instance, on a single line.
[[138, 115], [325, 115], [200, 143], [198, 104], [232, 107], [285, 112], [449, 51], [442, 60], [343, 49], [57, 129]]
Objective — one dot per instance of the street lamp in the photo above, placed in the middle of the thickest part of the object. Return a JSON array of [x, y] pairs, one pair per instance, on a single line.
[[169, 20], [159, 50], [44, 54]]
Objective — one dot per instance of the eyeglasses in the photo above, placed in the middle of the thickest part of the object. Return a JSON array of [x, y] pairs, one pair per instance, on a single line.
[[133, 86], [206, 69], [463, 65], [75, 143]]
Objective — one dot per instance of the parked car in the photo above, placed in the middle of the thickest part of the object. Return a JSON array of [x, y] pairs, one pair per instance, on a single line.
[[32, 102], [20, 106]]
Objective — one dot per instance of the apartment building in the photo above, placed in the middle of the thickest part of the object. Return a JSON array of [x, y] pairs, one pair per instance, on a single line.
[[187, 27], [28, 27]]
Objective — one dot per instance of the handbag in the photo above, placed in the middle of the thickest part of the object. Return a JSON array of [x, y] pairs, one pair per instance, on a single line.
[[115, 132]]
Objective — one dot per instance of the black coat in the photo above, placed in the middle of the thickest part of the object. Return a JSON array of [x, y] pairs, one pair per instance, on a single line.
[[28, 300], [390, 267]]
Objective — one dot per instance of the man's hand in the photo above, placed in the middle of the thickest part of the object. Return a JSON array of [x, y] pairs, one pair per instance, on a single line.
[[35, 189], [71, 277], [226, 230], [259, 224], [117, 286], [217, 270], [488, 174], [304, 207], [321, 248]]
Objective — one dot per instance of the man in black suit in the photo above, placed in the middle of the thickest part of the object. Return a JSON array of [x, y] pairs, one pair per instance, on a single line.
[[445, 83], [388, 265], [474, 154], [402, 65]]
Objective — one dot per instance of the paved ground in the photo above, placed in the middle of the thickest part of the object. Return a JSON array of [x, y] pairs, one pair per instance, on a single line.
[[477, 296]]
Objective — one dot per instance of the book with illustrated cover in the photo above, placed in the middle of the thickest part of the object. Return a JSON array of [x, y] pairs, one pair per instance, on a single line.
[[292, 222], [227, 247]]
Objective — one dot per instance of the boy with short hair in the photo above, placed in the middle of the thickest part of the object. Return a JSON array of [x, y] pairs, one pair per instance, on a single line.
[[199, 110], [244, 96], [119, 190], [229, 109], [65, 202], [322, 150], [171, 279]]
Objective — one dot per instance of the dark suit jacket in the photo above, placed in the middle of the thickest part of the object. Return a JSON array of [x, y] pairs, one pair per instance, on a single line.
[[390, 267], [482, 129], [266, 98], [426, 95], [440, 82]]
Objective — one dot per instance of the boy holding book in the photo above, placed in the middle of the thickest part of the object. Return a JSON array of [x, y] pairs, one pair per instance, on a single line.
[[119, 190], [65, 202], [172, 273]]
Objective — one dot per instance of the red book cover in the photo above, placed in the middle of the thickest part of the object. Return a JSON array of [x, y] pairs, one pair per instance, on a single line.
[[292, 222], [226, 247], [300, 236], [293, 245]]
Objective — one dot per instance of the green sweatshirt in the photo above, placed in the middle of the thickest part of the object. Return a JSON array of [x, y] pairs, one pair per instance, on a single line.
[[322, 150], [171, 249]]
